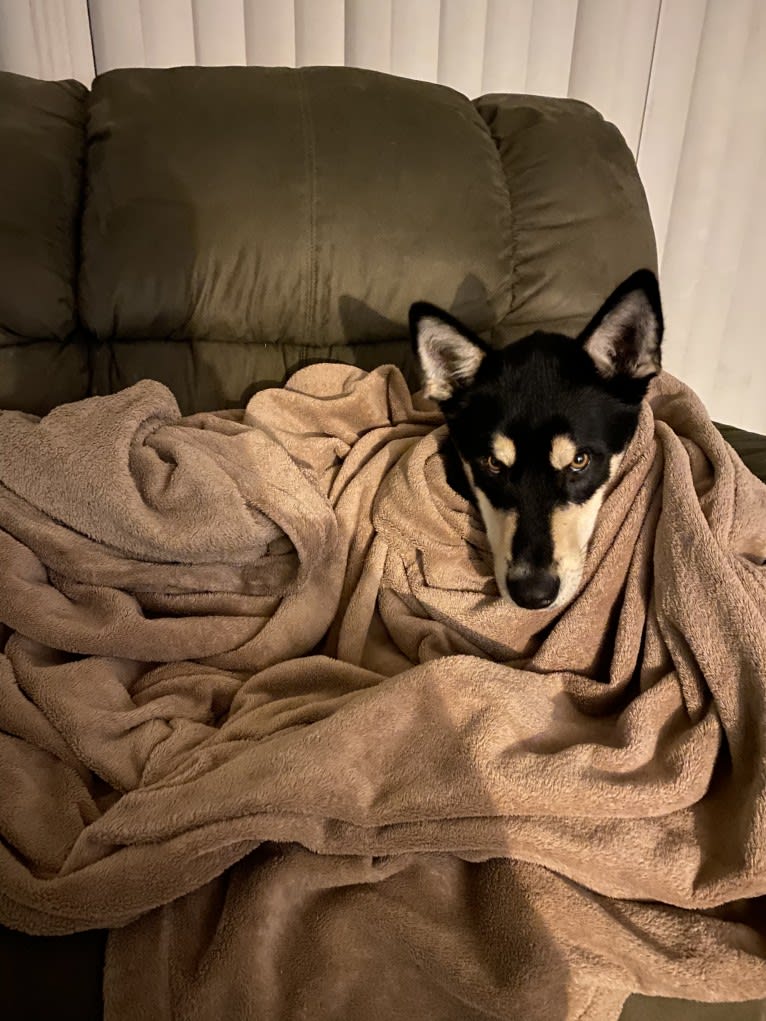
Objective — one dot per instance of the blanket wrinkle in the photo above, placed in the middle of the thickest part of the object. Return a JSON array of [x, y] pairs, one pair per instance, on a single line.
[[263, 715]]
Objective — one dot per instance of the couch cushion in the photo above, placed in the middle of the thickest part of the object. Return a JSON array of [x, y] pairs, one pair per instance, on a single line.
[[581, 223], [652, 1008], [751, 447], [306, 206], [35, 376], [207, 375], [42, 137]]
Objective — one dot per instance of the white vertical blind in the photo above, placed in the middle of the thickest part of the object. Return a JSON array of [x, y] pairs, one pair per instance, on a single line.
[[118, 35], [528, 46], [684, 80], [415, 38], [168, 32], [551, 44], [320, 32], [679, 32], [716, 222], [612, 59], [219, 32], [461, 45], [46, 39], [269, 33], [739, 387], [506, 44], [19, 51], [368, 34]]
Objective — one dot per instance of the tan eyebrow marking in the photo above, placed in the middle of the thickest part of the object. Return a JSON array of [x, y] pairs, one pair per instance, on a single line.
[[504, 449], [563, 451]]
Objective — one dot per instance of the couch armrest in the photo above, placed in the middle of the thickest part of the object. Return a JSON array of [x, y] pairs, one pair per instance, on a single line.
[[580, 220]]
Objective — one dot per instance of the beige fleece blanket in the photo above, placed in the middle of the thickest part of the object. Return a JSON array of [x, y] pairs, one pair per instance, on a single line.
[[263, 714]]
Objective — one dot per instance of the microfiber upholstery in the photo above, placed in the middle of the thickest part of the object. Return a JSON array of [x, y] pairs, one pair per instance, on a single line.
[[218, 211], [242, 222], [42, 361], [580, 223], [218, 207], [218, 228], [750, 446]]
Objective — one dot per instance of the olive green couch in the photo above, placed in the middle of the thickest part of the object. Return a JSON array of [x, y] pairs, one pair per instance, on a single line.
[[217, 228]]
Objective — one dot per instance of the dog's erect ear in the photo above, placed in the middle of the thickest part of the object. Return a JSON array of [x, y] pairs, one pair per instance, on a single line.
[[625, 335], [449, 353]]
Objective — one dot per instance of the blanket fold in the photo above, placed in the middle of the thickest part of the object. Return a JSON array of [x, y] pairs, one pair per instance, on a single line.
[[263, 714]]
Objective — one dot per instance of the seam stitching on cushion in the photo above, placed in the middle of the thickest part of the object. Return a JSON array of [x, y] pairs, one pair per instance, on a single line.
[[310, 165], [512, 246]]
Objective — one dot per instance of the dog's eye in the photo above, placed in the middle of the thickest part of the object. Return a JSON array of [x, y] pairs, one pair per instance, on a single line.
[[580, 461], [492, 465]]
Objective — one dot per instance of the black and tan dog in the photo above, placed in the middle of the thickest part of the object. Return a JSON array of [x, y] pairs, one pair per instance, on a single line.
[[538, 429]]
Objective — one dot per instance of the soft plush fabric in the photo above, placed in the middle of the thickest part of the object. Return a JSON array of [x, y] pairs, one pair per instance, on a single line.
[[452, 808], [268, 204]]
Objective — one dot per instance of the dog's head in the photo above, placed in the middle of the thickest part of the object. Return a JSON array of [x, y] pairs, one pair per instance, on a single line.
[[538, 430]]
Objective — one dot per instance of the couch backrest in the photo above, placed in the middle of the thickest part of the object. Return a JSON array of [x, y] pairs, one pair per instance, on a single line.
[[217, 227], [42, 145]]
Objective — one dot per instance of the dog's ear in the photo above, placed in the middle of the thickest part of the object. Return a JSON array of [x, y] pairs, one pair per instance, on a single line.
[[449, 353], [625, 335]]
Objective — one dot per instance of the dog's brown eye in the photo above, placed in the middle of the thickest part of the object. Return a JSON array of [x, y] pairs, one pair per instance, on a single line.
[[580, 461], [492, 465]]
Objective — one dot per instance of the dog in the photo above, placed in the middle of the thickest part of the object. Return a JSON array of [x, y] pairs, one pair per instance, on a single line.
[[537, 430]]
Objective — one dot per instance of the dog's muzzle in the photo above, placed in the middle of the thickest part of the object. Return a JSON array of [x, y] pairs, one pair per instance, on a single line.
[[534, 590]]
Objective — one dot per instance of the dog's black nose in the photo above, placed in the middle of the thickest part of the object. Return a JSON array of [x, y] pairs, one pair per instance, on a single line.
[[534, 591]]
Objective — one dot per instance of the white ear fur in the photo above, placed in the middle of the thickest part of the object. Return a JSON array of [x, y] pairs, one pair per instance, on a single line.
[[448, 359], [627, 338]]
